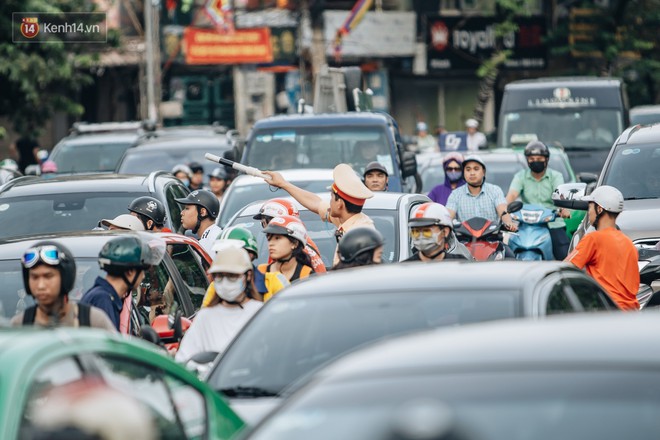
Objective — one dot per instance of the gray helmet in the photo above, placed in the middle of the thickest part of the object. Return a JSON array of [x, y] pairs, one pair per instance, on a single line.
[[357, 241], [205, 199], [219, 173]]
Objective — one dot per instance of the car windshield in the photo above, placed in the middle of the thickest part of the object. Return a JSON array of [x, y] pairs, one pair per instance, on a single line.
[[75, 157], [633, 169], [319, 147], [60, 212], [547, 404], [323, 234], [140, 161], [579, 128], [241, 196], [292, 336], [13, 298]]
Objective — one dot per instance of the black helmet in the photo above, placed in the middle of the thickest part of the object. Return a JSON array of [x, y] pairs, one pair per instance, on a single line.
[[357, 241], [150, 208], [51, 254], [537, 148], [203, 198], [137, 251], [196, 167]]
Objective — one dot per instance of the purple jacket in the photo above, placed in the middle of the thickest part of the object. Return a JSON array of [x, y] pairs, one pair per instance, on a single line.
[[440, 193]]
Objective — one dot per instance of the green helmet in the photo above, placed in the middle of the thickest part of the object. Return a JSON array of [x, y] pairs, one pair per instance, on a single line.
[[238, 232], [132, 251]]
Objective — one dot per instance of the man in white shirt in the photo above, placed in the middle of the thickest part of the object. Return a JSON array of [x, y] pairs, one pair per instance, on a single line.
[[200, 209], [475, 138]]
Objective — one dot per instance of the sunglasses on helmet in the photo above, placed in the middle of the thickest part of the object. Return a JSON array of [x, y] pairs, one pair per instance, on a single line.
[[46, 254]]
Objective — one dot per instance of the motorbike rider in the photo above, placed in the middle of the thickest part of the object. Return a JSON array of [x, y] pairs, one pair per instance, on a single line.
[[452, 163], [123, 222], [478, 198], [360, 247], [183, 172], [347, 197], [535, 186], [49, 274], [375, 176], [197, 177], [218, 182], [278, 207], [151, 213], [431, 229], [214, 327], [607, 254], [124, 259], [200, 209]]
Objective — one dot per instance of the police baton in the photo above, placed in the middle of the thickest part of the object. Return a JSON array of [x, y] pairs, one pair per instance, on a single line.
[[251, 171]]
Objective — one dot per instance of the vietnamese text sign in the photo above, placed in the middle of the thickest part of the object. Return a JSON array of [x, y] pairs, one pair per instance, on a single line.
[[463, 43], [205, 46]]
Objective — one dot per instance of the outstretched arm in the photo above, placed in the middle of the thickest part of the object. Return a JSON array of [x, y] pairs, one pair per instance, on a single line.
[[308, 199]]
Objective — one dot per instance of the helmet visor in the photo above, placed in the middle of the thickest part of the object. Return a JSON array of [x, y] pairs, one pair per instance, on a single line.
[[153, 249]]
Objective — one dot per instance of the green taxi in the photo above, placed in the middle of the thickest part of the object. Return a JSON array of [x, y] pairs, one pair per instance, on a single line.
[[34, 362]]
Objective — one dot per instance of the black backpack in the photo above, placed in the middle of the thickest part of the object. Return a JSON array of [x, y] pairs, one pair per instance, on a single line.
[[83, 315]]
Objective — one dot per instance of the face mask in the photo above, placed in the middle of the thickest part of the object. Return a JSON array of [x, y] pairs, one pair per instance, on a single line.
[[229, 290], [186, 182], [536, 167], [454, 175], [424, 244]]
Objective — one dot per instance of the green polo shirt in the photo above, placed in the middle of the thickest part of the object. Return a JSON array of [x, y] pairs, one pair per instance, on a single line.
[[538, 192]]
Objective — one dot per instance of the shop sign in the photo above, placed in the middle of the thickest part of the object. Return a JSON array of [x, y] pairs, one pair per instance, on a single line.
[[244, 46]]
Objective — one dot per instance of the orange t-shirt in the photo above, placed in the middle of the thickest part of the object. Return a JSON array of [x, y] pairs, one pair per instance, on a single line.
[[611, 259]]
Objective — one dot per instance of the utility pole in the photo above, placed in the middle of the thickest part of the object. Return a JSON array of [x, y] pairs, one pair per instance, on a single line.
[[151, 52]]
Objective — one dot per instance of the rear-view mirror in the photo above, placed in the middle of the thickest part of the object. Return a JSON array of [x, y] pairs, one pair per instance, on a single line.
[[514, 206], [587, 177], [569, 195]]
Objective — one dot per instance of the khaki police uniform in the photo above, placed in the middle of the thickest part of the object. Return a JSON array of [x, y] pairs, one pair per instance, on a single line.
[[349, 187]]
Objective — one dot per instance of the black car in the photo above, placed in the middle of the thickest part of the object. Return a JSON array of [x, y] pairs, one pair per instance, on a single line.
[[577, 377], [30, 205], [313, 322], [180, 277], [164, 152]]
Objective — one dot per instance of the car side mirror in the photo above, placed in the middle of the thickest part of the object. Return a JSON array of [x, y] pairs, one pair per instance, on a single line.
[[149, 334], [514, 206], [569, 195], [176, 326], [408, 164], [587, 177]]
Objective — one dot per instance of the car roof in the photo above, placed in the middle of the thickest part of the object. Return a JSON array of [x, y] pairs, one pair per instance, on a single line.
[[645, 110], [28, 186], [566, 81], [445, 276], [82, 244], [323, 119], [179, 143], [96, 138], [12, 339], [641, 134], [300, 175], [584, 340], [380, 200]]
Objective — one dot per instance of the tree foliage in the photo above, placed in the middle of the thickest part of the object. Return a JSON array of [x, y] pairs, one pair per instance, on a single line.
[[38, 79]]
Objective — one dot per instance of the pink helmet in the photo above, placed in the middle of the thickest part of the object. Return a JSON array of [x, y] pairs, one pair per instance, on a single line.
[[458, 157], [49, 167], [289, 226], [277, 208]]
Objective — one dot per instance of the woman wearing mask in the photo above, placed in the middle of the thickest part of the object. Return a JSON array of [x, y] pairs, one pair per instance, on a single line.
[[452, 164], [286, 247], [214, 327], [183, 173]]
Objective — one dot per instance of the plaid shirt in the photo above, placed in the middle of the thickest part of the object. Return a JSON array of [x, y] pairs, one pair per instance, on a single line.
[[466, 206]]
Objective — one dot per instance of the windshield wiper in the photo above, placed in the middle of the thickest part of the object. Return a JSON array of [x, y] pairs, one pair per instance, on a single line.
[[241, 391]]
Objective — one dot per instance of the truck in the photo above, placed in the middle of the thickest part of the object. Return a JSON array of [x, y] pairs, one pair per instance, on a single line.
[[582, 115]]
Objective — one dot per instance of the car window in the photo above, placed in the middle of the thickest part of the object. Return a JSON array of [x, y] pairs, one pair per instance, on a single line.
[[71, 158], [190, 405], [175, 191], [59, 373], [60, 212], [592, 297], [146, 385], [156, 294], [634, 171], [558, 301], [192, 272]]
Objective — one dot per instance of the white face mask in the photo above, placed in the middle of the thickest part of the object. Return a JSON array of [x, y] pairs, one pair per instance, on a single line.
[[229, 290], [424, 244]]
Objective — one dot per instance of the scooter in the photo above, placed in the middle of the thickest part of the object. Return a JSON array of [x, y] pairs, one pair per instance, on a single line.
[[649, 271], [533, 240], [481, 237]]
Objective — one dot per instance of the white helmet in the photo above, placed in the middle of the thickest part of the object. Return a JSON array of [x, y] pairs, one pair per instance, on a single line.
[[231, 259], [124, 221], [429, 214], [607, 197]]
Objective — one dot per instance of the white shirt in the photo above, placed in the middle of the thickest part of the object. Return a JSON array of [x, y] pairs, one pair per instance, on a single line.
[[208, 237], [476, 140], [214, 328]]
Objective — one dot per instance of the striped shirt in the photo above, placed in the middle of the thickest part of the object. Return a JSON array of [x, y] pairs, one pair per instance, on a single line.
[[484, 204]]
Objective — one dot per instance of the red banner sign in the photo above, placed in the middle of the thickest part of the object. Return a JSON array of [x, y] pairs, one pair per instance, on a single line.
[[243, 46]]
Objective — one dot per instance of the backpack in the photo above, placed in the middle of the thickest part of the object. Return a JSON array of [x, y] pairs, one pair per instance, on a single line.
[[83, 315]]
